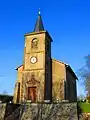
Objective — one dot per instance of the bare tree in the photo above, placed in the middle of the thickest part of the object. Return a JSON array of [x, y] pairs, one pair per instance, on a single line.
[[84, 74]]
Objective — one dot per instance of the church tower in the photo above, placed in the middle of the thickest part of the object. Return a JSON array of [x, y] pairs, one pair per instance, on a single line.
[[41, 78], [36, 82]]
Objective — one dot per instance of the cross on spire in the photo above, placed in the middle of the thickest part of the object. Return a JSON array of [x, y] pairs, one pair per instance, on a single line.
[[39, 11], [39, 24]]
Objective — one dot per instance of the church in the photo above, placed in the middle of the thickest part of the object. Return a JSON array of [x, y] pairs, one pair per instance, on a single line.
[[41, 78]]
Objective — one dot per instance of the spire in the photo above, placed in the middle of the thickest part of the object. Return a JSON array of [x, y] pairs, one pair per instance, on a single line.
[[39, 24]]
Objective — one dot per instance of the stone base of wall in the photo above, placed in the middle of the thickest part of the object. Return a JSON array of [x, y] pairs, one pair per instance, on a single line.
[[12, 112], [2, 111], [36, 111]]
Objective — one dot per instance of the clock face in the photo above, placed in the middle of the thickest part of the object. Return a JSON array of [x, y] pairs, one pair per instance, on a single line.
[[33, 59]]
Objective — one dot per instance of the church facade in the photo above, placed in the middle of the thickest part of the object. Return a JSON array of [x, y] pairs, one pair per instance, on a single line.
[[41, 78]]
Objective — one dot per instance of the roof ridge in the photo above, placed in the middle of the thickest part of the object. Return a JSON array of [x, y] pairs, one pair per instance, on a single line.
[[59, 61]]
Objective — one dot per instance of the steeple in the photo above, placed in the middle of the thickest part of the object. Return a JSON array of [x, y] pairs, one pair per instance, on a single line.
[[39, 24]]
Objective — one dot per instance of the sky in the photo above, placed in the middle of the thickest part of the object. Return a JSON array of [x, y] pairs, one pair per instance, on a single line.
[[67, 21]]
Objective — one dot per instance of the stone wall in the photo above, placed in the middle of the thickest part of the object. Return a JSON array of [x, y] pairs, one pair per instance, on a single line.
[[58, 78], [71, 92], [2, 111], [36, 111], [60, 111], [12, 112]]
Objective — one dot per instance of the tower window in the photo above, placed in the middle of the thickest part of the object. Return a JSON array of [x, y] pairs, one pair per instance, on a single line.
[[34, 43]]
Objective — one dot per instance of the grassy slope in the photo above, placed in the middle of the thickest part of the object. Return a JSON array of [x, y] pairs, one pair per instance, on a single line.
[[85, 107]]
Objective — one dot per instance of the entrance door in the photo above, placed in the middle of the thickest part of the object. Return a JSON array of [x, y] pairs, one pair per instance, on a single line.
[[32, 94]]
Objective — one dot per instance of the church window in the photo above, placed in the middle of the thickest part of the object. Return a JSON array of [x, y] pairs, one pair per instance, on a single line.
[[34, 43]]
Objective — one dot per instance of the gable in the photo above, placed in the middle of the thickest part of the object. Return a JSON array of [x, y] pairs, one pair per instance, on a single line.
[[58, 66]]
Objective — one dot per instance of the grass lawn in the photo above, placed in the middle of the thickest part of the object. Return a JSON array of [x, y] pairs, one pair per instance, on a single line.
[[85, 107]]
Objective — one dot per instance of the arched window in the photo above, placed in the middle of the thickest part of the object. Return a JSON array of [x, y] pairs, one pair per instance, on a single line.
[[34, 43]]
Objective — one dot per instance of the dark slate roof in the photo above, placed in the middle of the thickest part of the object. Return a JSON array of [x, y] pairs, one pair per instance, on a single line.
[[18, 67], [39, 24], [71, 71]]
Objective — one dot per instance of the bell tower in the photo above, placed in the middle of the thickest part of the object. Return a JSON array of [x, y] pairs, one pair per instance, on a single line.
[[37, 63]]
